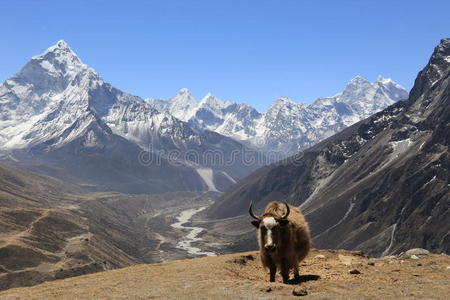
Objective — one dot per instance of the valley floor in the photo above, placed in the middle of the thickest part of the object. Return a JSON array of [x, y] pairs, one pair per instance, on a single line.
[[325, 274]]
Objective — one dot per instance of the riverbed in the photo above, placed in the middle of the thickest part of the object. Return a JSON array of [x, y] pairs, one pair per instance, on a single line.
[[186, 243]]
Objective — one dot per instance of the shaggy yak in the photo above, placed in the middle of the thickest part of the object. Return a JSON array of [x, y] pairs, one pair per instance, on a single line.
[[283, 236]]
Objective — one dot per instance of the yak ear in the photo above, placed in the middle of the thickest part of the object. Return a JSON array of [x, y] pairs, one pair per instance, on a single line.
[[255, 223], [283, 222]]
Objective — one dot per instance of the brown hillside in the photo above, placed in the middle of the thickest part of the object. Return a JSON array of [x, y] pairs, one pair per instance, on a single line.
[[52, 230], [325, 275]]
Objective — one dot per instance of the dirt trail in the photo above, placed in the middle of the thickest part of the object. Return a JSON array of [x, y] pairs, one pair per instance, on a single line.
[[16, 239], [325, 274], [73, 244]]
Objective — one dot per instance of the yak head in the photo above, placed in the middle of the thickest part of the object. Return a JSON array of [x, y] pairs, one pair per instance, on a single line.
[[270, 228]]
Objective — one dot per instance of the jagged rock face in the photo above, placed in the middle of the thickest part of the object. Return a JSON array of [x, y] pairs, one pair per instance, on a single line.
[[58, 107], [287, 127], [380, 185]]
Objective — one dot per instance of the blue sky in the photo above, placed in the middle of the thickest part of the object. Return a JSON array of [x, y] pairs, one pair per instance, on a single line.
[[243, 50]]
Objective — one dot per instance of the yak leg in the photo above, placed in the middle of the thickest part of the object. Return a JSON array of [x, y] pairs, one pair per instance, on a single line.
[[273, 271], [268, 262], [296, 273], [285, 271], [272, 267]]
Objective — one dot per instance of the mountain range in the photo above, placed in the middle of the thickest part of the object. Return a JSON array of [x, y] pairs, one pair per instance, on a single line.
[[381, 185], [58, 116], [287, 127]]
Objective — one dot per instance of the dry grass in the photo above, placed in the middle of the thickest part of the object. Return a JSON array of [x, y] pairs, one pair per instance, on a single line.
[[240, 276]]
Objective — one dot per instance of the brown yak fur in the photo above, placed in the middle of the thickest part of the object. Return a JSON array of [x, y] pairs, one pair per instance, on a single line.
[[292, 241]]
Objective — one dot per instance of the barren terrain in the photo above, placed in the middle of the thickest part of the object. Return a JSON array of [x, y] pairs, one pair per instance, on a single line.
[[52, 230], [325, 274]]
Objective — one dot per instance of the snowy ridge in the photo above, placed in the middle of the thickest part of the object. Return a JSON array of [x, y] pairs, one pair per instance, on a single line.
[[287, 126]]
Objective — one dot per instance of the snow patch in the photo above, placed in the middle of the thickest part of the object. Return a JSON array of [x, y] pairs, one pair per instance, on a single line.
[[398, 148], [12, 158], [350, 208], [208, 177], [386, 251], [228, 176], [429, 181]]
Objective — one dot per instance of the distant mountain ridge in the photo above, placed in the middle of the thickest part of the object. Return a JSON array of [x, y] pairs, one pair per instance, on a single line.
[[287, 126], [58, 116]]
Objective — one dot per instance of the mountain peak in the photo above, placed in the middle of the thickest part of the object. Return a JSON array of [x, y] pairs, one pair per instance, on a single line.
[[437, 69], [445, 45], [281, 101], [184, 91], [59, 57], [214, 103], [62, 44], [381, 79], [391, 84], [441, 54], [208, 96], [358, 80], [366, 97], [280, 104], [61, 48], [183, 97], [58, 61], [357, 84]]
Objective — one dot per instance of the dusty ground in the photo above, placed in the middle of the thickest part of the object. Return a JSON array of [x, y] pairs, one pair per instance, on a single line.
[[240, 276]]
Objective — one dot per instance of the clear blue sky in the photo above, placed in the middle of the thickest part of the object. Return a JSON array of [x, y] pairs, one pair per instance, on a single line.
[[247, 51]]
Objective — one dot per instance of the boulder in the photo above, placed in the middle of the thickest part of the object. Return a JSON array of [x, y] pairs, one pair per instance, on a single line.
[[416, 251]]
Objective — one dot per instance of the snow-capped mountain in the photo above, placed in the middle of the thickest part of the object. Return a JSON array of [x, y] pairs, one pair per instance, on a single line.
[[305, 125], [224, 117], [55, 92], [287, 127], [57, 104]]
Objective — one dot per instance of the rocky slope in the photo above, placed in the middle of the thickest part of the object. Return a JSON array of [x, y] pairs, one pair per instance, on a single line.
[[380, 185], [287, 127], [324, 275], [57, 115]]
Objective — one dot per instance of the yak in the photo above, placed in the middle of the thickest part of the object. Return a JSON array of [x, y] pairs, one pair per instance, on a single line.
[[284, 239]]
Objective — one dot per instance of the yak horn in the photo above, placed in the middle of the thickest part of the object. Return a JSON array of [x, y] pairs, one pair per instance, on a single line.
[[286, 214], [250, 211]]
